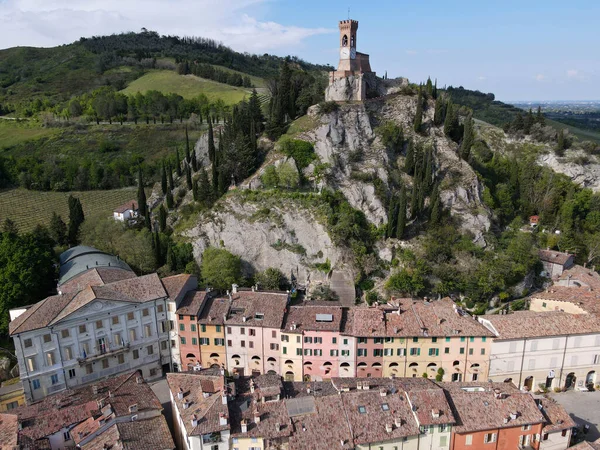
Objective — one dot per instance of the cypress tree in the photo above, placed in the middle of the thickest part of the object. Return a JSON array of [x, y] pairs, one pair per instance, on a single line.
[[428, 174], [76, 218], [419, 113], [178, 163], [194, 161], [171, 184], [171, 259], [414, 199], [141, 194], [188, 158], [163, 179], [204, 187], [409, 162], [392, 217], [195, 190], [401, 222], [188, 177], [560, 145], [211, 143], [434, 93], [147, 220], [170, 199], [529, 121], [58, 229], [429, 87], [162, 218], [435, 215], [451, 124], [539, 117], [222, 183], [468, 138], [518, 122], [438, 115]]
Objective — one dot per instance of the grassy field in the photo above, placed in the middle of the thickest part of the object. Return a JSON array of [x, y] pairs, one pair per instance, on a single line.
[[149, 141], [188, 86], [29, 208], [13, 133], [583, 135]]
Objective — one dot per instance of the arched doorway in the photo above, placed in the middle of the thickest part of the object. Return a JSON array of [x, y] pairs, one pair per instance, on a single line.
[[590, 380], [289, 376], [528, 384], [570, 381]]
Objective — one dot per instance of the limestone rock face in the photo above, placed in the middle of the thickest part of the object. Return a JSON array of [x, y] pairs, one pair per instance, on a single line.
[[586, 176], [345, 89], [282, 235]]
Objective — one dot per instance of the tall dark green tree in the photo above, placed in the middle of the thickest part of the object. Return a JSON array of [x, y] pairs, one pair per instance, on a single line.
[[560, 144], [451, 124], [414, 199], [188, 177], [177, 162], [468, 138], [539, 117], [401, 221], [163, 179], [392, 217], [529, 122], [438, 115], [211, 143], [170, 202], [409, 162], [157, 249], [76, 218], [195, 190], [429, 87], [434, 92], [194, 161], [188, 158], [162, 218], [171, 182], [435, 215], [141, 194], [58, 229]]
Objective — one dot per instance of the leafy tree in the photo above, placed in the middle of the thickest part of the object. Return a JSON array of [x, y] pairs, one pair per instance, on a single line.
[[392, 136], [270, 178], [220, 269], [406, 282], [302, 151], [9, 226], [58, 229], [27, 271], [271, 279], [76, 218]]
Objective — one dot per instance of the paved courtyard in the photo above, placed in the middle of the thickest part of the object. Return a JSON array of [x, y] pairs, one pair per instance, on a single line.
[[584, 408]]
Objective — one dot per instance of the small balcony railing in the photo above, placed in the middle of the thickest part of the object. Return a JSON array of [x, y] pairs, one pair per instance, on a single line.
[[103, 352]]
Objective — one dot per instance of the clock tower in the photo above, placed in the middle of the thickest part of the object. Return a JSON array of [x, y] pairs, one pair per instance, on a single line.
[[353, 66]]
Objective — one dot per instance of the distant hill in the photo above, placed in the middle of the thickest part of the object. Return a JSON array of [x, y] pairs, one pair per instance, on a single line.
[[52, 75]]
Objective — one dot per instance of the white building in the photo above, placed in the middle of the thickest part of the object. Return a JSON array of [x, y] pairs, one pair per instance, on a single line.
[[127, 211], [104, 321], [551, 349]]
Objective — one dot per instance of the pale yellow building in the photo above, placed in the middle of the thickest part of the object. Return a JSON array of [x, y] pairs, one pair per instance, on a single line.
[[11, 395]]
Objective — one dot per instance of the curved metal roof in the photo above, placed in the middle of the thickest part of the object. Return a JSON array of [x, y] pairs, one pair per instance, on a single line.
[[80, 259]]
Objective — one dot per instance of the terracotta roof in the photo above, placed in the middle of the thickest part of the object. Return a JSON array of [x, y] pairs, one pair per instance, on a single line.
[[372, 421], [96, 277], [53, 309], [579, 274], [261, 309], [192, 303], [480, 409], [431, 407], [554, 257], [202, 394], [314, 318], [148, 434], [368, 322], [175, 284], [131, 204], [584, 298], [215, 309], [267, 385], [40, 314], [557, 418], [9, 428], [587, 446], [270, 413], [530, 324], [324, 429]]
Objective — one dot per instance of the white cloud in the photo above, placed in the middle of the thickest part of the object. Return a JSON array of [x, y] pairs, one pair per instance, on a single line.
[[572, 73], [52, 22], [540, 77]]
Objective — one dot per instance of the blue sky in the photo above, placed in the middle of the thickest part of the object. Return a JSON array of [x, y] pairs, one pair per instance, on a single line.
[[520, 50]]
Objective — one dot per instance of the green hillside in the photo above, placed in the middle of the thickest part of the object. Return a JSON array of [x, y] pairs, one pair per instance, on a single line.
[[188, 86]]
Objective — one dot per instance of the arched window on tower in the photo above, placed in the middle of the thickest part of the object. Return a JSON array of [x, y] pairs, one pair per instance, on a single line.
[[352, 41], [345, 41]]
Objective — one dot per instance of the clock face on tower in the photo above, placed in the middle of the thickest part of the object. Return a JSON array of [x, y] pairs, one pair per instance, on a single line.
[[352, 53], [344, 53]]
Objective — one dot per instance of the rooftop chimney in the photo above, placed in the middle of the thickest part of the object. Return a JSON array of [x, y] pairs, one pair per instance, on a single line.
[[514, 415], [277, 427], [139, 379], [398, 422], [506, 419], [256, 417], [133, 408], [95, 390], [111, 394], [234, 288], [388, 427], [194, 420], [186, 404], [383, 392], [244, 424], [180, 394], [224, 397], [435, 413], [222, 419], [345, 388]]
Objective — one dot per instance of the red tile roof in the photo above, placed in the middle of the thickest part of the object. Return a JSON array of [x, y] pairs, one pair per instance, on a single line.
[[554, 257], [530, 324], [587, 446], [214, 311], [130, 205], [192, 303], [148, 434], [582, 297], [304, 317], [431, 407], [260, 309], [557, 418], [96, 277], [9, 427], [175, 284]]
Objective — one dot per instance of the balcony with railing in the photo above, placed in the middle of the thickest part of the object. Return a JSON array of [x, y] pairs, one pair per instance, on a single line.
[[103, 351]]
